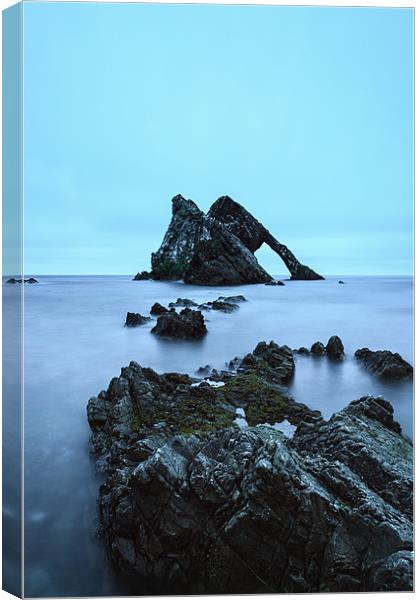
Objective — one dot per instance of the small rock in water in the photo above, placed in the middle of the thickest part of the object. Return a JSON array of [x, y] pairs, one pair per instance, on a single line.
[[226, 307], [342, 282], [232, 299], [385, 363], [135, 319], [335, 347], [187, 325], [186, 302], [273, 361], [303, 350], [20, 280], [274, 283], [206, 370], [144, 275], [158, 309], [318, 349]]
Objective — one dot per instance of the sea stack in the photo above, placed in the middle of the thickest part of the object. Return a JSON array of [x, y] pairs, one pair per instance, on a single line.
[[218, 248]]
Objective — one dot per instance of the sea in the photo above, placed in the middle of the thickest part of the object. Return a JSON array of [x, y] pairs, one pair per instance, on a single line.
[[75, 342]]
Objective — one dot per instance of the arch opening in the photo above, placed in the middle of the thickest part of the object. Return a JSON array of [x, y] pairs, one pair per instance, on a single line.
[[271, 262]]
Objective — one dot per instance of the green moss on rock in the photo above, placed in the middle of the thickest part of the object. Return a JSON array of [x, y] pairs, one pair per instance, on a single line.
[[263, 402]]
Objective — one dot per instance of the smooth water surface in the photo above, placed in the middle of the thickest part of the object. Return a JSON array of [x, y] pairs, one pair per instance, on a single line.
[[75, 342]]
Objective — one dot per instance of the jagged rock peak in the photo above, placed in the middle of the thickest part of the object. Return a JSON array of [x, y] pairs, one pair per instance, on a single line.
[[181, 205]]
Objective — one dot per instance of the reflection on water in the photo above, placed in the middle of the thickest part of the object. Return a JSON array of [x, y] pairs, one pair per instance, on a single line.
[[75, 342]]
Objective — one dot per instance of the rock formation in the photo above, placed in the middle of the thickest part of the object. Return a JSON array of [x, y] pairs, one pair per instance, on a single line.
[[135, 319], [186, 325], [158, 309], [143, 276], [194, 504], [385, 363], [317, 348], [253, 234], [20, 280], [218, 248], [335, 348]]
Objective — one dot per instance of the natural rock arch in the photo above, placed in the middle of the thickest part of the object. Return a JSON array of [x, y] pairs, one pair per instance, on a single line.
[[218, 248]]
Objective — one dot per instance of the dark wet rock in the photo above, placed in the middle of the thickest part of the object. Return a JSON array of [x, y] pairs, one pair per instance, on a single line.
[[218, 248], [232, 299], [233, 364], [318, 349], [365, 437], [226, 307], [225, 304], [192, 504], [392, 573], [342, 282], [158, 309], [335, 348], [136, 319], [384, 363], [206, 370], [20, 280], [264, 401], [144, 275], [304, 351], [253, 235], [274, 282], [185, 302], [186, 325], [271, 361]]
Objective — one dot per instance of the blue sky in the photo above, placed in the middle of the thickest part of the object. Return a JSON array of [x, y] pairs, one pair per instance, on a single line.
[[303, 115]]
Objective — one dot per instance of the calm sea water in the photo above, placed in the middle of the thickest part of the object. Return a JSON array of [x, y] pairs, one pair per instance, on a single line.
[[75, 343]]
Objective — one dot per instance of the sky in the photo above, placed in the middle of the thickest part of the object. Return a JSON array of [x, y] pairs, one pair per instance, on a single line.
[[302, 114]]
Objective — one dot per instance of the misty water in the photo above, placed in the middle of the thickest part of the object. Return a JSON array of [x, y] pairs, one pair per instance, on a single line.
[[75, 342]]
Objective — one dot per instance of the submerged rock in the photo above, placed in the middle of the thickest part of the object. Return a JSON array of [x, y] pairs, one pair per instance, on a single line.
[[136, 319], [158, 309], [384, 363], [335, 348], [186, 325], [144, 275], [274, 282], [193, 504], [218, 248], [318, 349]]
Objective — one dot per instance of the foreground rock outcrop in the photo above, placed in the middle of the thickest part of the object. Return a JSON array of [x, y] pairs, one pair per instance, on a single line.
[[195, 504], [218, 248], [384, 363]]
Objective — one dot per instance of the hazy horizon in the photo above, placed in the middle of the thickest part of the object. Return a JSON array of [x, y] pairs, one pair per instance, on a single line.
[[304, 115]]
